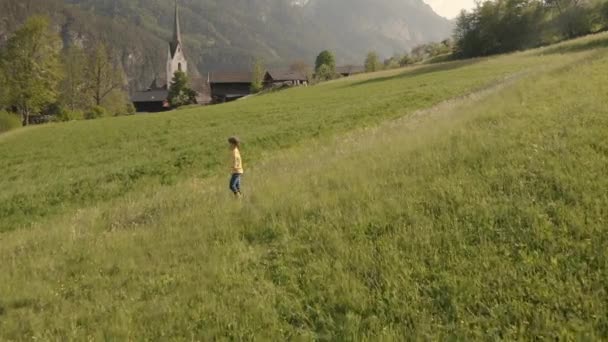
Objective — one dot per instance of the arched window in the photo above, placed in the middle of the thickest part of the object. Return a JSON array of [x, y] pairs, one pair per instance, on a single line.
[[179, 66]]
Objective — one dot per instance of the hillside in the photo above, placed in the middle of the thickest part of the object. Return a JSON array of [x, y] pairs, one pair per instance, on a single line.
[[460, 201], [385, 26], [135, 47], [228, 34]]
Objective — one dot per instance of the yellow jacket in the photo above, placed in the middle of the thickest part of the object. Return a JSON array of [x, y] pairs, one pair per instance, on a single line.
[[237, 162]]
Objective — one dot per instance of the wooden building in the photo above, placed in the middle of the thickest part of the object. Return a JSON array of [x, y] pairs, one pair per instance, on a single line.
[[284, 78], [152, 100], [229, 86]]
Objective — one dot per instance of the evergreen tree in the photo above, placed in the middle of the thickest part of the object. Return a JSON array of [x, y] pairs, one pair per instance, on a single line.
[[32, 67], [179, 92]]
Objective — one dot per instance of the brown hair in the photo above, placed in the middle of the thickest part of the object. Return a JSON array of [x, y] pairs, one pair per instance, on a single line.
[[234, 141]]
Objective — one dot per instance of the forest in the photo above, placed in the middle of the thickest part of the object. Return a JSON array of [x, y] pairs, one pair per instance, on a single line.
[[508, 25]]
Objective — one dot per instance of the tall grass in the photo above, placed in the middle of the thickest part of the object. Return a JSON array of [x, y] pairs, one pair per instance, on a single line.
[[483, 219], [63, 167]]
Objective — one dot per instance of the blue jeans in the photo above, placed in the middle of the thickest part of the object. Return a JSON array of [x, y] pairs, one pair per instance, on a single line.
[[235, 183]]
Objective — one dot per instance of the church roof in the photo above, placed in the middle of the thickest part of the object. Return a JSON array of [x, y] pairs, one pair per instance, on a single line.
[[176, 40]]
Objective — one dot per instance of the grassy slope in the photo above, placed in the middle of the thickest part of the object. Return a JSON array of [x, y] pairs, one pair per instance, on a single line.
[[67, 166], [483, 219]]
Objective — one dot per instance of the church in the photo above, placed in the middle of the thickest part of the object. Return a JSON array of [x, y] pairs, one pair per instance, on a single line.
[[155, 98], [216, 87]]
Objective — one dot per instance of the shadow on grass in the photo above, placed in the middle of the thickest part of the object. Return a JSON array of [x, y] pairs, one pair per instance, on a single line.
[[576, 47], [423, 70]]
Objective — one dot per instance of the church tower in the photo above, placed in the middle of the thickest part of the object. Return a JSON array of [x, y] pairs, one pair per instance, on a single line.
[[176, 60]]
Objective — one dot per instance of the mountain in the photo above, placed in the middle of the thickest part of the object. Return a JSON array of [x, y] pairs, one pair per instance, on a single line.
[[387, 26], [228, 34]]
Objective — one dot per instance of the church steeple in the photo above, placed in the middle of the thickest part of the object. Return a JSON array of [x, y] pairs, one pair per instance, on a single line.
[[176, 41], [176, 60]]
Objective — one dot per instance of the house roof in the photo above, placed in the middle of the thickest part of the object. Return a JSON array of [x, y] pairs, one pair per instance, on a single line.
[[350, 69], [286, 75], [159, 95], [230, 77]]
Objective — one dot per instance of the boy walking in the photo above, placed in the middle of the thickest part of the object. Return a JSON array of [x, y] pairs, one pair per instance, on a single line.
[[236, 167]]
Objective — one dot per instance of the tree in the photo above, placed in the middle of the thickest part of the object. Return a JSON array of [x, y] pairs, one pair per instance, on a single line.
[[419, 52], [326, 58], [573, 19], [74, 83], [391, 63], [324, 73], [32, 68], [602, 10], [3, 90], [102, 76], [372, 62], [257, 81], [466, 35], [179, 92], [116, 103], [405, 60], [499, 26]]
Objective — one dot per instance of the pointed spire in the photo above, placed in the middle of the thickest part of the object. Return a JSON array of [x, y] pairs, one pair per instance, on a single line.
[[177, 34]]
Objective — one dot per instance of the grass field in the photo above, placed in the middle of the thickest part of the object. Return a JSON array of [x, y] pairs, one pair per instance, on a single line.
[[64, 167], [371, 212]]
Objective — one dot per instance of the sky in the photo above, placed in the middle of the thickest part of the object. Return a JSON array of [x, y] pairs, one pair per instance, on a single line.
[[450, 8]]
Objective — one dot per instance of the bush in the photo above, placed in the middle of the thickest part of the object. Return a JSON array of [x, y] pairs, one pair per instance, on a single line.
[[95, 113], [68, 115], [130, 109], [8, 121], [405, 60]]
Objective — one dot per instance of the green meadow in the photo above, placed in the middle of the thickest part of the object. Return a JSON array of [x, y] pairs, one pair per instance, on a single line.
[[455, 201], [64, 167]]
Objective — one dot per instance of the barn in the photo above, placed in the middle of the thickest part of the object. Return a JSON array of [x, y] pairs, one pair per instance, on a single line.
[[283, 78], [152, 100], [230, 86]]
